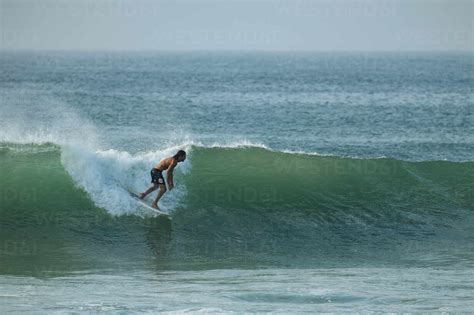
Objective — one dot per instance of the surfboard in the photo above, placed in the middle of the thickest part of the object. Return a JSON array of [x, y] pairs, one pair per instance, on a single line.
[[147, 206]]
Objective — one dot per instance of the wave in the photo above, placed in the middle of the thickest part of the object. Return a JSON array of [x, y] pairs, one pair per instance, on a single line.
[[247, 178], [238, 201]]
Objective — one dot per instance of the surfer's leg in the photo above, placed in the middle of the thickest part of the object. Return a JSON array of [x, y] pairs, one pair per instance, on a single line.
[[149, 190], [160, 193], [156, 179]]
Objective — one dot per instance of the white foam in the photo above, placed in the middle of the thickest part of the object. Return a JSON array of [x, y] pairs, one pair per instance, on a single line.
[[107, 175], [30, 117], [225, 144]]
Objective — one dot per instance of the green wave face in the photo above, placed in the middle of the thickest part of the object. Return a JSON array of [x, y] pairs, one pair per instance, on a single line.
[[34, 180], [255, 179], [325, 208], [249, 205]]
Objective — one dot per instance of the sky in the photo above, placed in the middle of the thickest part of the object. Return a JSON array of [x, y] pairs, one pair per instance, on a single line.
[[274, 25]]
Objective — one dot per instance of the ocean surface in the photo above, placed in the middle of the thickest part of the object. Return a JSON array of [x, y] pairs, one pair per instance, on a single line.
[[315, 182]]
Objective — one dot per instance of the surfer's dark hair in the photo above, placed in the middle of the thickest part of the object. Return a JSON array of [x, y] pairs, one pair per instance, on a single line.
[[181, 153]]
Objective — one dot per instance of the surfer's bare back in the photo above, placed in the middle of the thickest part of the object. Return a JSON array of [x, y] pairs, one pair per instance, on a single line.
[[157, 179]]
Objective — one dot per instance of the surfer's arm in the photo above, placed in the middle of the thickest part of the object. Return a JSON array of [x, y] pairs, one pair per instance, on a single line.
[[169, 174]]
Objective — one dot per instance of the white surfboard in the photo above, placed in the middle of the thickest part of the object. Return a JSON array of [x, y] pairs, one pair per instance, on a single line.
[[147, 206]]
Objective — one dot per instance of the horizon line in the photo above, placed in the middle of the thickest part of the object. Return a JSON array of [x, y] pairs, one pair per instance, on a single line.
[[2, 50]]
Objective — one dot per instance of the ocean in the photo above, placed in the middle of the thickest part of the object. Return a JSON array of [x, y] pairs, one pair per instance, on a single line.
[[315, 182]]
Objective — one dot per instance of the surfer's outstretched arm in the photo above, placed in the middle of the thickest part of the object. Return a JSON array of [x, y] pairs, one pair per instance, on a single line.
[[169, 174]]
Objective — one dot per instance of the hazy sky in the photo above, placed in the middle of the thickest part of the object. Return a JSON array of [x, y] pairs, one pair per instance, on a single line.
[[238, 24]]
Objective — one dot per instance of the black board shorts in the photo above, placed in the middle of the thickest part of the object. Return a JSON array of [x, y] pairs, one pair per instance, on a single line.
[[157, 177]]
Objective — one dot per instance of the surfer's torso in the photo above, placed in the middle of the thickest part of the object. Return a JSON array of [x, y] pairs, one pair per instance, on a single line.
[[164, 164]]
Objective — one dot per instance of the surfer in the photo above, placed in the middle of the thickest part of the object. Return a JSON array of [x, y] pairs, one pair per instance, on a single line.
[[157, 179]]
